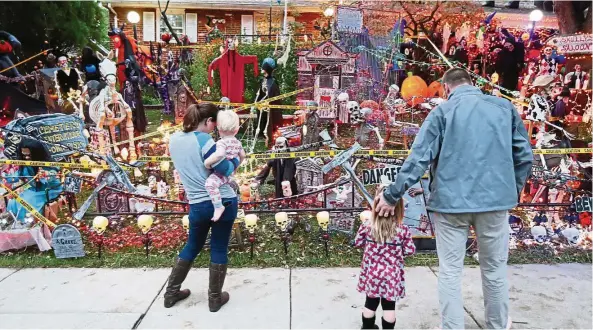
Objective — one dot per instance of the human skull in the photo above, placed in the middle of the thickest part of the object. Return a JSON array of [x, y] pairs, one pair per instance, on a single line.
[[281, 220], [251, 222], [365, 113], [538, 109], [354, 110], [539, 233], [100, 224], [185, 222], [572, 235], [323, 220], [145, 222], [286, 189]]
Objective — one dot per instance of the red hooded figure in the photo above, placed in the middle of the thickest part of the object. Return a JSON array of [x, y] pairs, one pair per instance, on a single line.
[[231, 66]]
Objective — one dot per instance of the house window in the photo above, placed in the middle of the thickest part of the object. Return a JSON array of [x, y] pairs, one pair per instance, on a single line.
[[177, 21]]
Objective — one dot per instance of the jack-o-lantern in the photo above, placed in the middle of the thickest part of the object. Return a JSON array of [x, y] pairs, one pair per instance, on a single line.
[[414, 90], [435, 89]]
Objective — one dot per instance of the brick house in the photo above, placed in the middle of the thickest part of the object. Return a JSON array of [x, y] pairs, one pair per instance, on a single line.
[[231, 17]]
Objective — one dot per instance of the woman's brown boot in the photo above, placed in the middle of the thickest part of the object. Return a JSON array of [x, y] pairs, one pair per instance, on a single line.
[[173, 294], [216, 297]]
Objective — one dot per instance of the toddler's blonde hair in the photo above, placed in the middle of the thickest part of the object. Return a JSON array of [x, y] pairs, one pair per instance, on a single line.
[[385, 228], [227, 121]]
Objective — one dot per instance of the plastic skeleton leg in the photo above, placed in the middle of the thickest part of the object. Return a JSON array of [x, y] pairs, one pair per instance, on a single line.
[[257, 130], [267, 125]]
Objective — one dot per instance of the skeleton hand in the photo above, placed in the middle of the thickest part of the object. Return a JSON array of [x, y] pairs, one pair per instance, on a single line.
[[60, 102]]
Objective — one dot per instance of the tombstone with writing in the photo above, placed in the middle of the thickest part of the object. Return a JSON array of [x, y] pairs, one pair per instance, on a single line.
[[66, 242], [60, 135]]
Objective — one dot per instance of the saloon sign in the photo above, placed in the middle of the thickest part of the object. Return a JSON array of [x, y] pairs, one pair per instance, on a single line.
[[573, 44]]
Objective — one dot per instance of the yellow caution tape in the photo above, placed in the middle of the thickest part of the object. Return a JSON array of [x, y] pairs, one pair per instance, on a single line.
[[28, 207], [563, 151], [378, 153], [53, 164]]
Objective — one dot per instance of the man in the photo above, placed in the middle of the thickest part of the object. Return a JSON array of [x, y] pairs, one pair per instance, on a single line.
[[480, 157]]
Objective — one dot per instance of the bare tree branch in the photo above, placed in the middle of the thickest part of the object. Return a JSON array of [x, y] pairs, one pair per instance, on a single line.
[[164, 16]]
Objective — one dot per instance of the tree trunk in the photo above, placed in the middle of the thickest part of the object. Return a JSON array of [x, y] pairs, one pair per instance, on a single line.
[[568, 20]]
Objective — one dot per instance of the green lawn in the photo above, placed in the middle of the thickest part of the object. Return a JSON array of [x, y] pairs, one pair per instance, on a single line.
[[304, 249]]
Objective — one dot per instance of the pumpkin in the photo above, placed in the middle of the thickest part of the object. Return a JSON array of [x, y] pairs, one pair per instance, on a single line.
[[414, 90], [245, 192], [435, 89]]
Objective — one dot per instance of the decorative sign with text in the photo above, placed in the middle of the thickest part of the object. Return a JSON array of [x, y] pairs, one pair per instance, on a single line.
[[349, 20], [380, 175], [573, 44], [60, 135], [583, 203], [67, 242]]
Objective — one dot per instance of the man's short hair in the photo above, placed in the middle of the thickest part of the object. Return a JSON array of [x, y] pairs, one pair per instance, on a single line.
[[456, 76]]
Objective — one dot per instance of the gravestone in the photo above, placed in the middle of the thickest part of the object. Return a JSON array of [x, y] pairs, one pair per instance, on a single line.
[[72, 184], [66, 242]]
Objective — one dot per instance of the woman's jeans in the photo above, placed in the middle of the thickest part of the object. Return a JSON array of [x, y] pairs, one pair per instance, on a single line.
[[200, 222]]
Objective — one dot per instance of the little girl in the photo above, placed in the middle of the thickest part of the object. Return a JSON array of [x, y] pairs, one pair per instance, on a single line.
[[386, 241], [227, 122]]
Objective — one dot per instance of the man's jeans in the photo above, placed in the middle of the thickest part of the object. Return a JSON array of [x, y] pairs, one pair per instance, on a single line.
[[492, 233]]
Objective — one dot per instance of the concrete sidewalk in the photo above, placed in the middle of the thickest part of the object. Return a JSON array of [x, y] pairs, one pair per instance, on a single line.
[[542, 296]]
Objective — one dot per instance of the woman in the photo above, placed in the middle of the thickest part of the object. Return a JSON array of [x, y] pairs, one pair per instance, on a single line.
[[188, 150]]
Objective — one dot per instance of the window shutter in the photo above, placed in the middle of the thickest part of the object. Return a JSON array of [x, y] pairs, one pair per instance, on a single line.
[[148, 22], [191, 26], [247, 27]]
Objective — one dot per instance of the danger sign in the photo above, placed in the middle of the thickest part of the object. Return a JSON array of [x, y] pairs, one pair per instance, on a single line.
[[380, 175]]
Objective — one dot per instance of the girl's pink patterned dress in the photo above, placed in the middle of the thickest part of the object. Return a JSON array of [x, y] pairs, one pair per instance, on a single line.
[[382, 269]]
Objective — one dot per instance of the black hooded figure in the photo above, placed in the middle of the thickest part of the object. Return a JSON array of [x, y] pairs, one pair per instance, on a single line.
[[269, 89], [510, 63], [133, 97], [282, 169], [89, 65]]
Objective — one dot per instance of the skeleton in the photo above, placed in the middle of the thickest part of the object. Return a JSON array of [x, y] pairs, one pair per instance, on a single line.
[[359, 117], [72, 96], [110, 109]]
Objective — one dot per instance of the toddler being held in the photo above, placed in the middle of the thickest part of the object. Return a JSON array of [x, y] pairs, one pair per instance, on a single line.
[[227, 147]]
